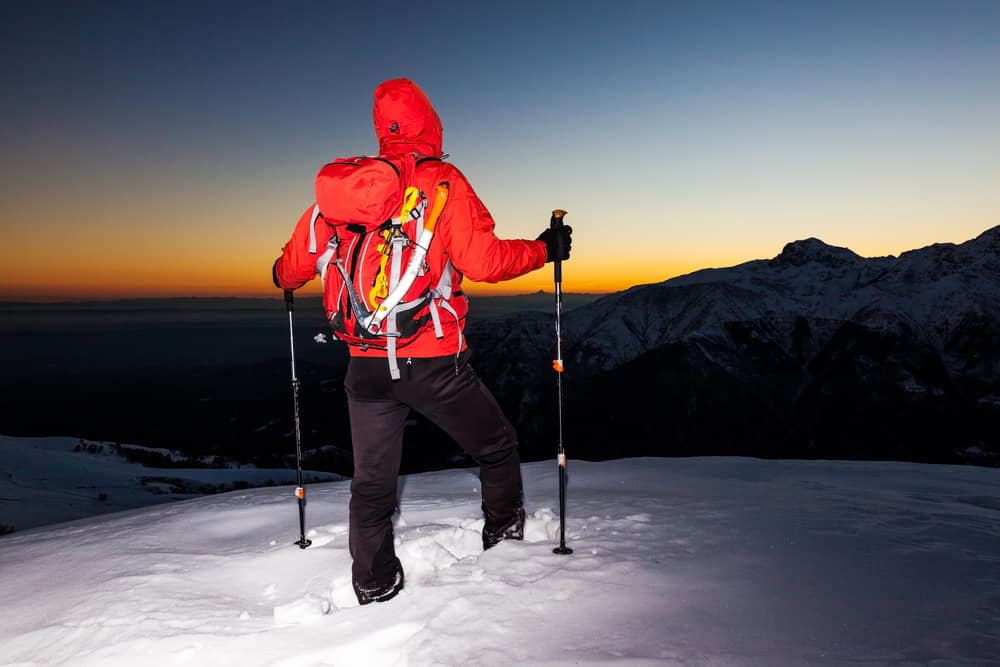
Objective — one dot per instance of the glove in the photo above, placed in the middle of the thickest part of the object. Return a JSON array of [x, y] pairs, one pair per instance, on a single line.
[[274, 273], [557, 242]]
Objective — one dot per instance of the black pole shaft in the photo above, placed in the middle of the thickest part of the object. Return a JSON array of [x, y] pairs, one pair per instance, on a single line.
[[300, 491], [555, 223]]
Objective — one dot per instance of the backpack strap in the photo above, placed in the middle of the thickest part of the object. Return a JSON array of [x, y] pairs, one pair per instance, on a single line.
[[390, 355], [397, 241], [312, 230], [440, 296], [323, 261]]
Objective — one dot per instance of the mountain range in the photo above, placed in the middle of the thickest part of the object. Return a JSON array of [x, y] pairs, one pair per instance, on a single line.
[[814, 353], [817, 352]]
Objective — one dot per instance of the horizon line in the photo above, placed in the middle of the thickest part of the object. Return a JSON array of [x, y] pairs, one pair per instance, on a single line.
[[55, 301]]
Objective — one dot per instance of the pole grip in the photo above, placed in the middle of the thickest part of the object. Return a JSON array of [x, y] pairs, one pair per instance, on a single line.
[[555, 223], [557, 218], [289, 300]]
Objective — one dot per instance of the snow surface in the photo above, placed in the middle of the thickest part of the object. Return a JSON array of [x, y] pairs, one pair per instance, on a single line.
[[699, 561], [45, 480]]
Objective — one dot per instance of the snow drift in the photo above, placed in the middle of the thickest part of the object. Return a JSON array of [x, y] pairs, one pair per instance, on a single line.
[[701, 561]]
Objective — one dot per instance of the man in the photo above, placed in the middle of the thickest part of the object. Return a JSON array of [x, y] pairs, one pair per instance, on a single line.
[[436, 378]]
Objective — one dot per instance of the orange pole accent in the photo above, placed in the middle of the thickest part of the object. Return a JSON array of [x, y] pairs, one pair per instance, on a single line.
[[439, 201], [557, 364], [300, 492]]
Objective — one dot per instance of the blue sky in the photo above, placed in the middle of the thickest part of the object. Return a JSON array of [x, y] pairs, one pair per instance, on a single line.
[[176, 143]]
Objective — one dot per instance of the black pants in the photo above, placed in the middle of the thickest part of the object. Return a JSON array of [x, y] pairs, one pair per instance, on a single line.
[[447, 391]]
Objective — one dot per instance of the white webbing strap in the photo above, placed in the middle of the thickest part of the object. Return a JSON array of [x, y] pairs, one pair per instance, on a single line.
[[390, 349], [436, 317], [442, 293], [323, 261], [312, 230], [398, 242], [444, 282]]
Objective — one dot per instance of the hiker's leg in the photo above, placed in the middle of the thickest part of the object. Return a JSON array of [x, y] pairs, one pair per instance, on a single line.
[[453, 397], [377, 421]]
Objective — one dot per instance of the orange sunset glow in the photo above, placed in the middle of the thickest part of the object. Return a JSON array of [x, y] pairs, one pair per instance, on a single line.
[[180, 170]]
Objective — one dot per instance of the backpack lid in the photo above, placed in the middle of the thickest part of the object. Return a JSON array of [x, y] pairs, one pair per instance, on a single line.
[[365, 191]]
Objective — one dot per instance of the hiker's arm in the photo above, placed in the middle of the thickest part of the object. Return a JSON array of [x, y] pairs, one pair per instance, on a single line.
[[473, 246], [297, 265]]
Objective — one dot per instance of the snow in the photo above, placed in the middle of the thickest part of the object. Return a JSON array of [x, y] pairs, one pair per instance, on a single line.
[[697, 561], [45, 480]]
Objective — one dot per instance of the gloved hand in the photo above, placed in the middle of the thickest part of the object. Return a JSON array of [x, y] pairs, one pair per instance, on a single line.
[[274, 273], [557, 242]]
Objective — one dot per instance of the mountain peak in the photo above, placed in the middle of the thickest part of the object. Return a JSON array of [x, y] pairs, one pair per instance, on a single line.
[[799, 253], [990, 239]]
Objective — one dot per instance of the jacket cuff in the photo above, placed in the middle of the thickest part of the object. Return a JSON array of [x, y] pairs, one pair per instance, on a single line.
[[274, 274]]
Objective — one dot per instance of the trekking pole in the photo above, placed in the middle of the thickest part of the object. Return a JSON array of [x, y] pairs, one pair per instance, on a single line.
[[557, 364], [300, 491]]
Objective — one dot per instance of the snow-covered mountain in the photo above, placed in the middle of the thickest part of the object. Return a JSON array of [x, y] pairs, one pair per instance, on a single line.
[[677, 562], [933, 292], [781, 349]]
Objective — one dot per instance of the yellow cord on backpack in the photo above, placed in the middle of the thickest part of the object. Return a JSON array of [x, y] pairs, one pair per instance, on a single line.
[[380, 288], [410, 199]]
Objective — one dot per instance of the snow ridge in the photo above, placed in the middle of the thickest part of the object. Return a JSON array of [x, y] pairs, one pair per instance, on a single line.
[[932, 291]]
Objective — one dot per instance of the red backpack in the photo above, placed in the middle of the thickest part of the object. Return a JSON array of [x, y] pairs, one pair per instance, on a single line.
[[377, 226]]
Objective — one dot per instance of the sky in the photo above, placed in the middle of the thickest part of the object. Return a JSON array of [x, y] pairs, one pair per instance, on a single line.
[[676, 562], [167, 149]]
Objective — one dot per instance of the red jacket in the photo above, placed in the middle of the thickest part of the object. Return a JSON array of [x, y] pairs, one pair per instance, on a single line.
[[405, 122]]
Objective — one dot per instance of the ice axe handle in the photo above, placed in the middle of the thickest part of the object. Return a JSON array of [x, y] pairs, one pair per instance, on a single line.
[[555, 223]]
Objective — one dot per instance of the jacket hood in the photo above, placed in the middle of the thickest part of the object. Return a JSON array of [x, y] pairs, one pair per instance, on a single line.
[[405, 120]]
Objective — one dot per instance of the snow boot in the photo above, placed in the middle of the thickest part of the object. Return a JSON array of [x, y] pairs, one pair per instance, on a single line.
[[380, 592], [494, 531]]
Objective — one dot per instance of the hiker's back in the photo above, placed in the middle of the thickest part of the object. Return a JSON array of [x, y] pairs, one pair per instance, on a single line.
[[464, 244]]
